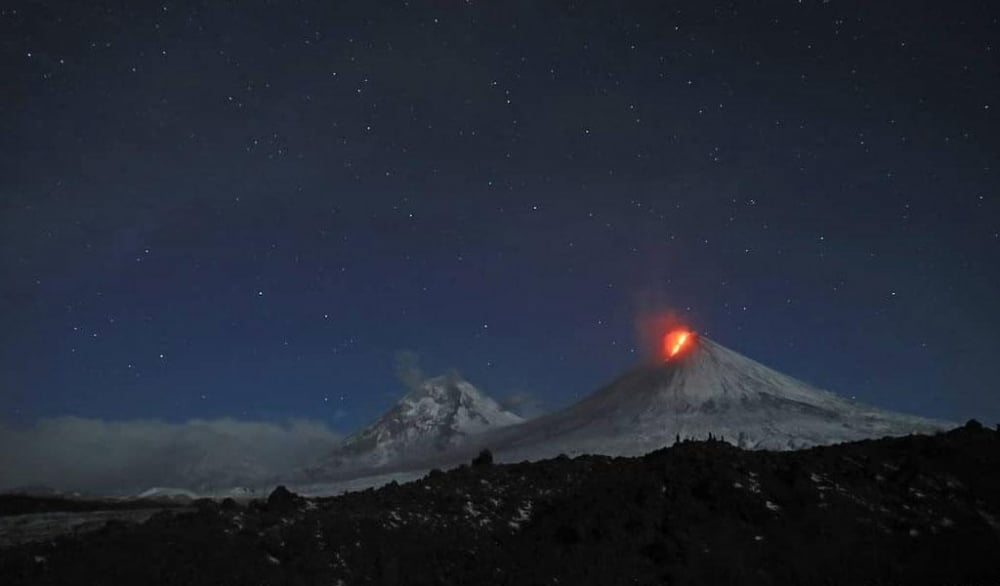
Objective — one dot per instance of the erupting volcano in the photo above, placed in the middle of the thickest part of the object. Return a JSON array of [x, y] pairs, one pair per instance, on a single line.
[[675, 341], [697, 388]]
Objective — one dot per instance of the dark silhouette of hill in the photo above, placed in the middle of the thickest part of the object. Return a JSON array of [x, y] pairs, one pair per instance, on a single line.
[[910, 510], [26, 503]]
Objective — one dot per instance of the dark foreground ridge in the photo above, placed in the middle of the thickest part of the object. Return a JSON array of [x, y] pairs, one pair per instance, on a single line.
[[913, 510]]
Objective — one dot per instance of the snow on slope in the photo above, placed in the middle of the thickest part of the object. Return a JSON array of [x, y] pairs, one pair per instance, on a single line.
[[707, 389], [440, 414]]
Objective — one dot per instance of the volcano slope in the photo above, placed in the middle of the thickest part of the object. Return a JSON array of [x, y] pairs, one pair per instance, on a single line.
[[909, 510], [708, 388]]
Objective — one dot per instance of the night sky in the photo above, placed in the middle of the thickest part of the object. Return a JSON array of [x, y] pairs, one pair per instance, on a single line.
[[250, 209]]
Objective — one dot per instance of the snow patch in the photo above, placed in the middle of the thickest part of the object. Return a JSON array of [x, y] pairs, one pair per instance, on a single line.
[[522, 515]]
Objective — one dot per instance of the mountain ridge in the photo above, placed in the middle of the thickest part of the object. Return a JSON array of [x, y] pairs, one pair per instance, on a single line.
[[435, 415], [702, 389]]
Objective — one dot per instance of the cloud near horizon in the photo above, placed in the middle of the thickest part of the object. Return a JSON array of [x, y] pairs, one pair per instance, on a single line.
[[523, 403], [94, 455]]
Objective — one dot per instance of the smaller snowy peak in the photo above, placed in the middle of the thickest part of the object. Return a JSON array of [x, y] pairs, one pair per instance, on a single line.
[[452, 404], [438, 414]]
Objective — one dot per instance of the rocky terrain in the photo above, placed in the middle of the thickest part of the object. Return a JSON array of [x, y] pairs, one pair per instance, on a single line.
[[908, 510]]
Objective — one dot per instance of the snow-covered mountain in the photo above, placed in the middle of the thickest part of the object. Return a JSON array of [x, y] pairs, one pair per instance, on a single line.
[[704, 389], [440, 414]]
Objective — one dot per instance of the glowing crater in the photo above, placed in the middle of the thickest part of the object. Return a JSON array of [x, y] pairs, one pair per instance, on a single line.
[[675, 342]]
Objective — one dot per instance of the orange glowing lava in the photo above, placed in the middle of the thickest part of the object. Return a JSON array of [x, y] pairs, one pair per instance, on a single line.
[[675, 341]]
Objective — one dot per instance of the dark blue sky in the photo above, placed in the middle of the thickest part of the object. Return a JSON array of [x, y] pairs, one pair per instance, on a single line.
[[248, 209]]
